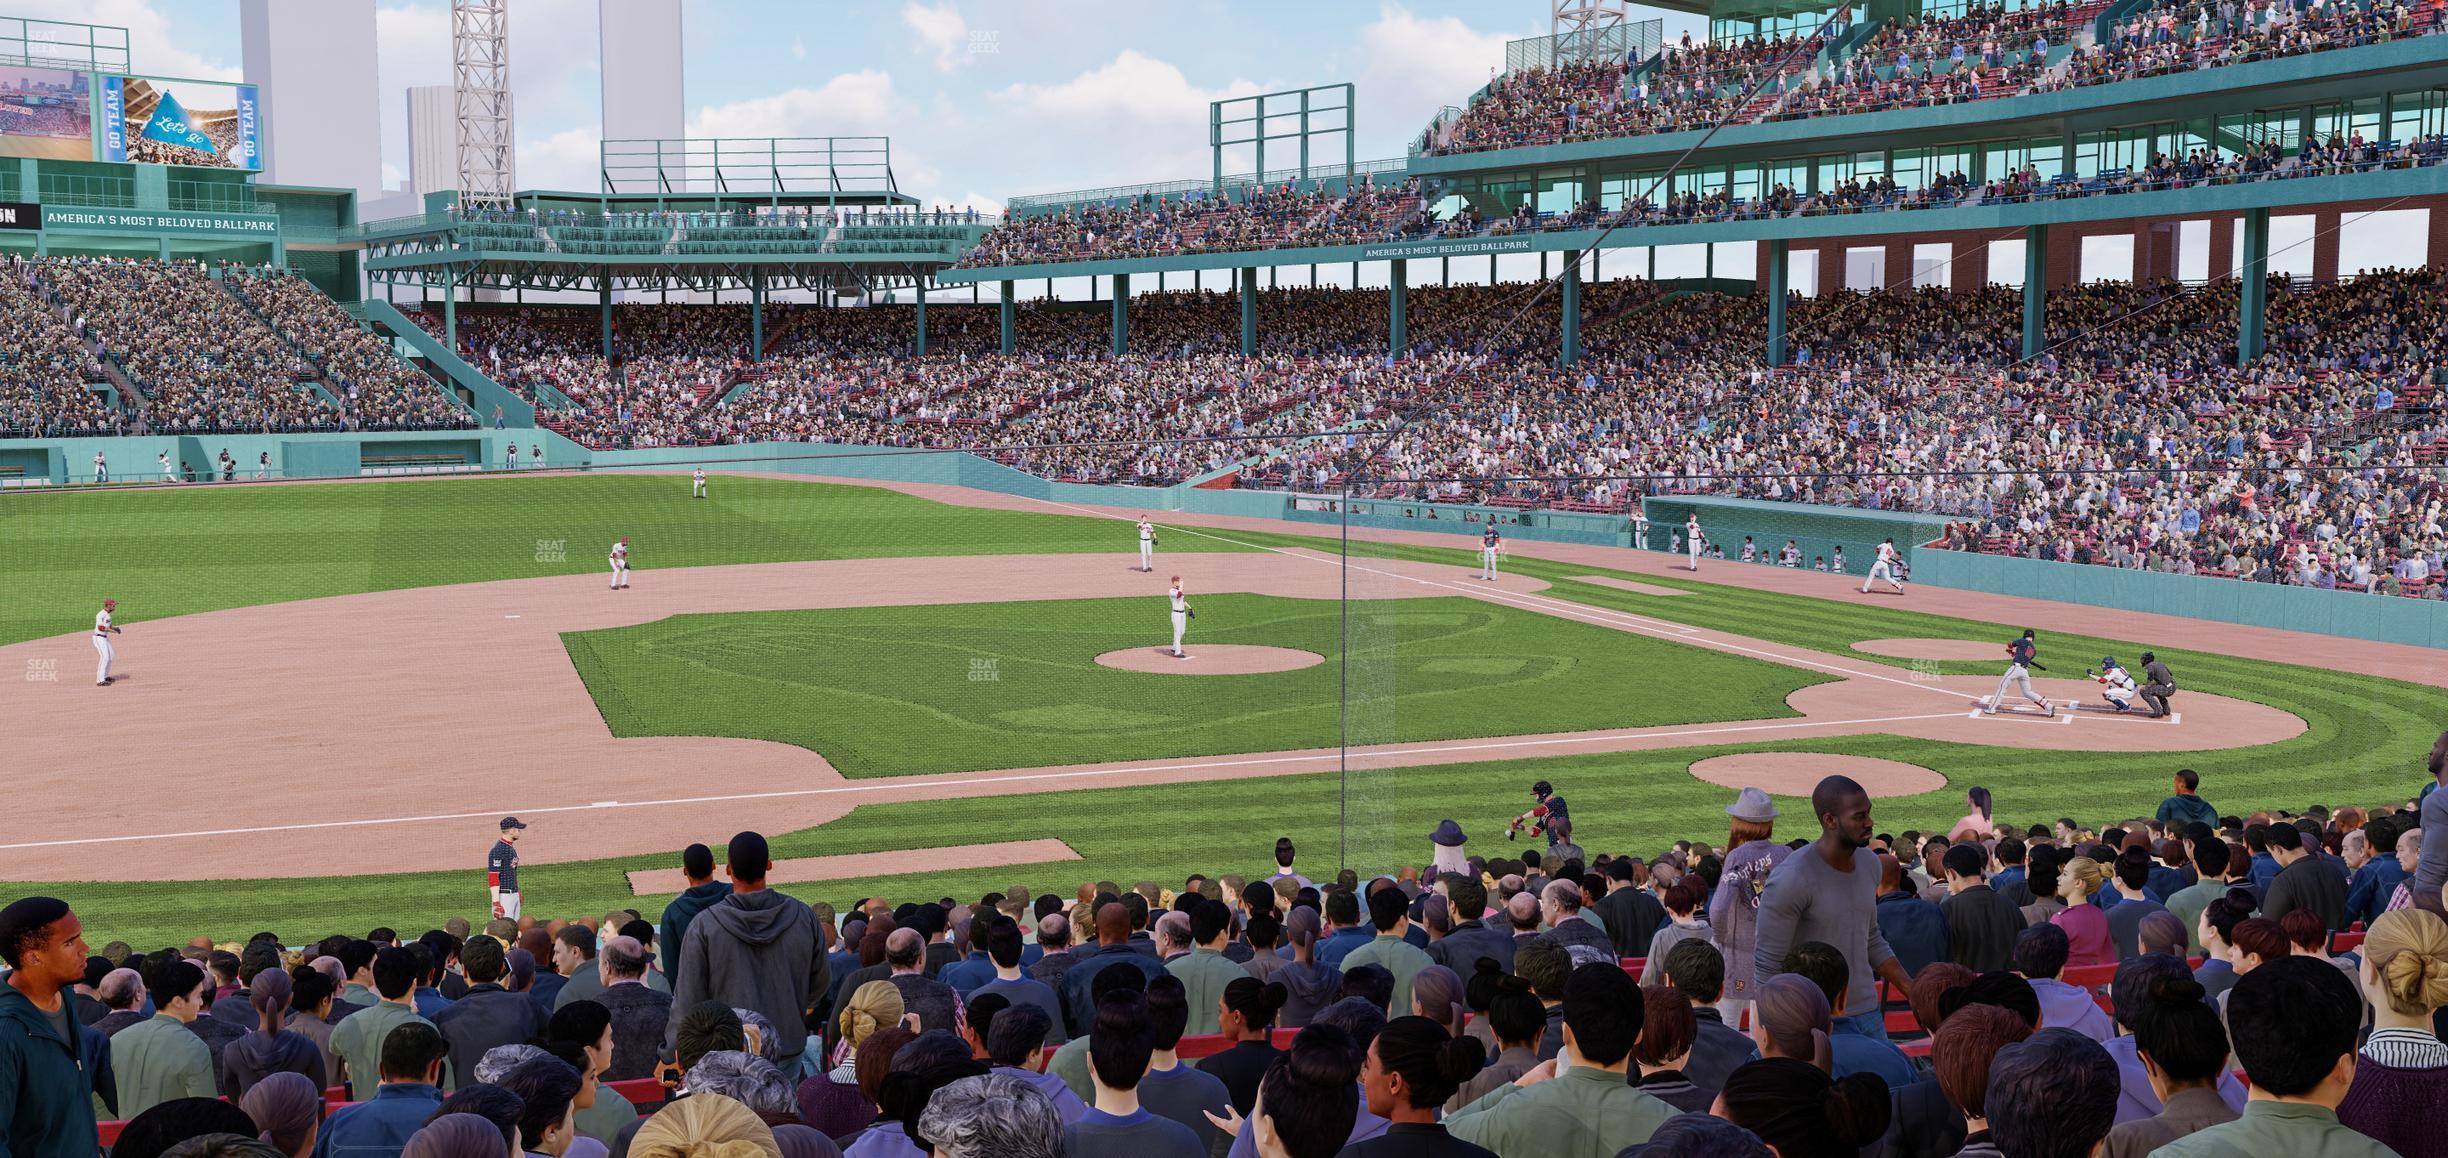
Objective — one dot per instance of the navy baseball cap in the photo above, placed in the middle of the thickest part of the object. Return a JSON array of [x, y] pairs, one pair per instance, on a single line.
[[510, 822]]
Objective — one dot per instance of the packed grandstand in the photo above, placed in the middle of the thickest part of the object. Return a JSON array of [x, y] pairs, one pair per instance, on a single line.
[[2011, 986]]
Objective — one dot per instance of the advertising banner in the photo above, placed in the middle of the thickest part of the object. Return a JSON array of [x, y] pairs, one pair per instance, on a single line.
[[46, 113], [155, 121]]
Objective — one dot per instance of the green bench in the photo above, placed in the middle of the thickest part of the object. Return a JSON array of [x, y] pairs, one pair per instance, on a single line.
[[412, 463]]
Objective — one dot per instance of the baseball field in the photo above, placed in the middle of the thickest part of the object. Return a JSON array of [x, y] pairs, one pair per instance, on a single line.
[[331, 691]]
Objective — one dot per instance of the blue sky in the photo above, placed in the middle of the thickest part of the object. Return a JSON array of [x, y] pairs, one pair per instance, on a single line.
[[983, 98]]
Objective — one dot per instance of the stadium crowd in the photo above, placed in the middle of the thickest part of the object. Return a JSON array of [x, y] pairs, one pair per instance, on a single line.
[[45, 368], [2187, 983], [202, 360], [380, 391]]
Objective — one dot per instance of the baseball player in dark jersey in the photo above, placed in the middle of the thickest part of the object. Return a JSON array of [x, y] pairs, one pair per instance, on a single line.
[[501, 869], [2019, 665]]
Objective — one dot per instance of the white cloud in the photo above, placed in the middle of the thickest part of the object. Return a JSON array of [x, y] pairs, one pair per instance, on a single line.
[[940, 28], [1411, 66], [1135, 118], [567, 160], [798, 48], [852, 104]]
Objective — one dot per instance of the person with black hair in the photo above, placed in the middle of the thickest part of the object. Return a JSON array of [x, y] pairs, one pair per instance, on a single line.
[[489, 1015], [1799, 1110], [1170, 1089], [2304, 880], [1509, 1030], [2186, 807], [2051, 1095], [2181, 1049], [493, 1105], [547, 1090], [756, 949], [2187, 903], [1696, 971], [1204, 971], [2219, 918], [2145, 988], [1005, 947], [1478, 932], [2294, 1022], [161, 1060], [1121, 1040], [45, 1110], [1583, 1102], [1015, 1044], [580, 1033], [1371, 983], [703, 892], [160, 1128], [930, 1062], [1852, 1053], [2130, 877], [1246, 1016], [411, 1070], [1345, 930], [2040, 867], [1412, 1068], [2040, 955], [358, 1038], [1981, 924]]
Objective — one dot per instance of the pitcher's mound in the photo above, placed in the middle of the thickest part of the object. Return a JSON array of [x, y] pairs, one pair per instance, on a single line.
[[1212, 659], [1797, 773], [1935, 649]]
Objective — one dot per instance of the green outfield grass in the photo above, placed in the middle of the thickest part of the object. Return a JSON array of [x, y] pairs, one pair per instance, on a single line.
[[2365, 745], [954, 688], [180, 550]]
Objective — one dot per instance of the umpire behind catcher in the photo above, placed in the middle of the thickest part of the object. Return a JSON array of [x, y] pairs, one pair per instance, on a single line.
[[2157, 685]]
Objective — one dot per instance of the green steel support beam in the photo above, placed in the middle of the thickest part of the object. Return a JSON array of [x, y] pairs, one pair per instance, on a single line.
[[921, 288], [1121, 313], [1398, 326], [1249, 310], [603, 285], [450, 308], [756, 316], [1779, 271], [2253, 303], [2035, 290], [1569, 331], [1003, 308]]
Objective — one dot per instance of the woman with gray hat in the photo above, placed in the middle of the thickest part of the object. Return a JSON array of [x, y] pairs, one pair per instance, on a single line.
[[1449, 858], [1734, 910]]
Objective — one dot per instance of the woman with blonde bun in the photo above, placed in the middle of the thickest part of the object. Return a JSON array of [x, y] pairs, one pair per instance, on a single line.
[[2401, 1076], [832, 1101], [704, 1126], [2085, 924]]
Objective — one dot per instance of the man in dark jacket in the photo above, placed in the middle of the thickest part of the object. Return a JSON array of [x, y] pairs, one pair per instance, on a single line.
[[758, 950], [45, 1107], [638, 1012], [1914, 928], [2304, 881], [1475, 938], [1695, 969], [489, 1015], [1632, 916], [1980, 925], [1113, 951], [2185, 807], [703, 892]]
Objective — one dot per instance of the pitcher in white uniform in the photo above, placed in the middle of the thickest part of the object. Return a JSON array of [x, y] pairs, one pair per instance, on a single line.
[[1693, 540], [620, 565], [1883, 567], [102, 644], [1181, 616], [1147, 545]]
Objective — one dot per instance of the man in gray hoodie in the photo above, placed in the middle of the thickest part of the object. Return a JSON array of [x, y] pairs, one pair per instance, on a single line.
[[757, 949]]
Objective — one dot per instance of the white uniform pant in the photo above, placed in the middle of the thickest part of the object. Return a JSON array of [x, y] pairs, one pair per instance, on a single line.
[[2018, 677], [1487, 562], [1147, 554], [2122, 697], [1694, 548], [103, 654], [1881, 570], [620, 574], [508, 906], [697, 488], [1181, 623]]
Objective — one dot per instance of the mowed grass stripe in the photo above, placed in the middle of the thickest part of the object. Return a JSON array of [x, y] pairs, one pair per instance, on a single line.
[[178, 551], [955, 688]]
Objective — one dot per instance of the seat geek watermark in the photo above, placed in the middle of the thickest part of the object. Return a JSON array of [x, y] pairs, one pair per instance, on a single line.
[[985, 671], [42, 671], [1925, 671], [985, 42], [552, 550]]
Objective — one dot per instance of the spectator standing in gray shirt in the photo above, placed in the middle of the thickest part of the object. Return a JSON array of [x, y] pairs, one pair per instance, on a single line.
[[1829, 893]]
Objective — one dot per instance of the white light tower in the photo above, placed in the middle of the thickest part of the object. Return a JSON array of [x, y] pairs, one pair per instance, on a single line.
[[480, 76], [1587, 30]]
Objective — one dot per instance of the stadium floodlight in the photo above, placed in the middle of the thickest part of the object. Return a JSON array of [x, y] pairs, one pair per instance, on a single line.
[[480, 80]]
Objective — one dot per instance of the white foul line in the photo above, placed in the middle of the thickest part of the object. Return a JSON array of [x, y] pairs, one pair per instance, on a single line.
[[958, 780]]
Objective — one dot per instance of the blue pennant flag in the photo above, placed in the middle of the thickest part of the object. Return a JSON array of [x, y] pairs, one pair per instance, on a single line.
[[169, 125]]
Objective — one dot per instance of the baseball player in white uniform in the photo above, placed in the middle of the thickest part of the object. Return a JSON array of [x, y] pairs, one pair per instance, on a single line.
[[101, 468], [511, 461], [168, 475], [1181, 616], [620, 565], [1147, 545], [1491, 545], [263, 465], [697, 484], [1693, 540], [1883, 567], [102, 644], [1640, 528], [2120, 686]]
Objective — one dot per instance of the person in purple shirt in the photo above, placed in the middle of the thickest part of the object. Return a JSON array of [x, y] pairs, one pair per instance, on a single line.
[[2040, 955], [1015, 1043], [2148, 993]]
